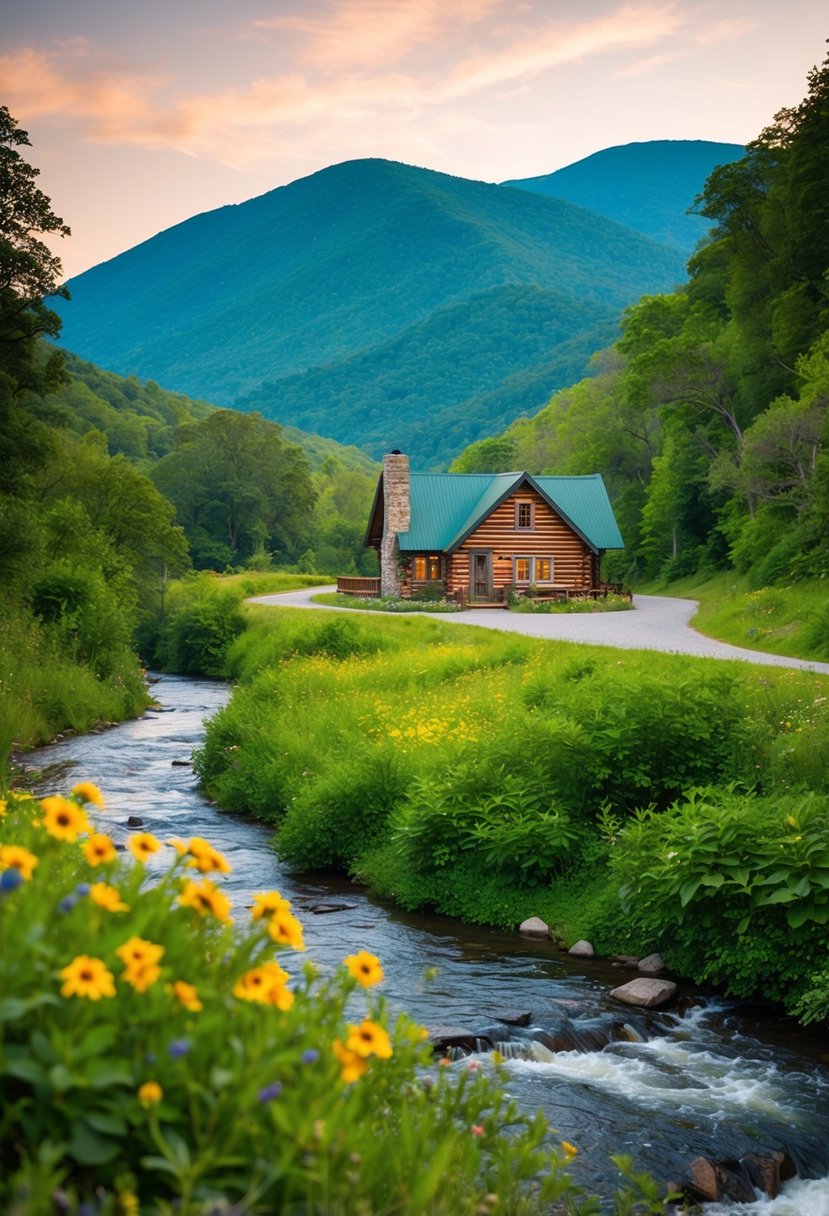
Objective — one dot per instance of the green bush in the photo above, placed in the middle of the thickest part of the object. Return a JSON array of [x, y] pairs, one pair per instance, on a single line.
[[734, 888], [201, 622], [155, 1058]]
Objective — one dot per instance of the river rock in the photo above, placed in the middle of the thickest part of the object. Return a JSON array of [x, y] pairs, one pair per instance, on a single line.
[[582, 949], [646, 993], [652, 965], [324, 909], [767, 1171], [444, 1037], [135, 821], [181, 763], [515, 1019], [534, 927], [626, 960]]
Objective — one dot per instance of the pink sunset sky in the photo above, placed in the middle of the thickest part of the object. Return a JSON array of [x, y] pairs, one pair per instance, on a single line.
[[142, 115]]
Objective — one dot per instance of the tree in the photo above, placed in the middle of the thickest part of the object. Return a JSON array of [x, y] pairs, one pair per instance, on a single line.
[[29, 271]]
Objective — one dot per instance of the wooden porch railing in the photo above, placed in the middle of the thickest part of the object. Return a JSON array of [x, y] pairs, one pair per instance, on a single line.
[[349, 584]]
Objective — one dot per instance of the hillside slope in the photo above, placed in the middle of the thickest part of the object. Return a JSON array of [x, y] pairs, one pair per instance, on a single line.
[[646, 186], [337, 264]]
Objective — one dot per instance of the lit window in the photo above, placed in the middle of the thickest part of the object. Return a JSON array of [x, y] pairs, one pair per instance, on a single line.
[[543, 570], [427, 568], [522, 569], [524, 516]]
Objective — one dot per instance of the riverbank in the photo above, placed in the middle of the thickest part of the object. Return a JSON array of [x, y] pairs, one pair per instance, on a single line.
[[706, 1084]]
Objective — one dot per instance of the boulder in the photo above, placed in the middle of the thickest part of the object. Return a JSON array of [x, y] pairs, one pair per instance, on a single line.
[[652, 965], [646, 993], [135, 821], [626, 960], [582, 949], [534, 927]]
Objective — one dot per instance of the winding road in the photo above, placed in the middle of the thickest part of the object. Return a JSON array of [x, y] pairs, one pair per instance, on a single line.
[[658, 622]]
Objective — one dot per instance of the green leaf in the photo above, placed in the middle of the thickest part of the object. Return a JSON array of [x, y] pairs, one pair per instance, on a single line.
[[90, 1148], [688, 890], [15, 1007], [100, 1074]]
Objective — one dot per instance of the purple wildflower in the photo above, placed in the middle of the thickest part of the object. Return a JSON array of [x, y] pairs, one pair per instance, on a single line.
[[269, 1092]]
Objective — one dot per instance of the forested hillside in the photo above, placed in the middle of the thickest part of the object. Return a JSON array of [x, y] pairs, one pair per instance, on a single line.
[[710, 417], [647, 186], [334, 270]]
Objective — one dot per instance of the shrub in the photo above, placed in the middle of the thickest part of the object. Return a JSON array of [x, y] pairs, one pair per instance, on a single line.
[[156, 1058], [718, 863], [200, 625]]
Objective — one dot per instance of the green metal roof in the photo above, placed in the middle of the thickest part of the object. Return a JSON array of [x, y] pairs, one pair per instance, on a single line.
[[447, 507]]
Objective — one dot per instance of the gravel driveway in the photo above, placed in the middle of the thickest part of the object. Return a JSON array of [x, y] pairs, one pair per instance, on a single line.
[[657, 622]]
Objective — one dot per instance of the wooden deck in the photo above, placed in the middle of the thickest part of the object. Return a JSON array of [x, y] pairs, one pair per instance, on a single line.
[[364, 586]]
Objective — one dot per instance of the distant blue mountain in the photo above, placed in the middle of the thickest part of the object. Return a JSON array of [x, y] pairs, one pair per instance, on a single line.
[[646, 186], [369, 302]]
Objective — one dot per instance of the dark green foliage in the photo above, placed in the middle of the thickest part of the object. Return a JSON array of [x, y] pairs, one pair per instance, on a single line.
[[733, 888], [371, 286], [650, 186], [201, 622]]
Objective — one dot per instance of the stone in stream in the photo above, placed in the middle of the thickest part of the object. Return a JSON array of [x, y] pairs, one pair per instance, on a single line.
[[444, 1037], [711, 1181], [652, 965], [134, 821], [582, 949], [534, 927], [515, 1019], [323, 909], [181, 763], [646, 993]]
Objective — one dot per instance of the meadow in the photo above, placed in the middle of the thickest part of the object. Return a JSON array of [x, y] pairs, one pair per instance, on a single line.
[[637, 799]]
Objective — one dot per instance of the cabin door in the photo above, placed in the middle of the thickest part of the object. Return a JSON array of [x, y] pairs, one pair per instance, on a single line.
[[480, 575]]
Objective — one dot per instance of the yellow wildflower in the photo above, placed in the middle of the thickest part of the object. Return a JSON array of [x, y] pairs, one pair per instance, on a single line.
[[128, 1204], [106, 897], [569, 1149], [352, 1065], [142, 845], [15, 857], [85, 791], [87, 977], [3, 805], [150, 1093], [99, 849], [365, 968], [286, 929], [186, 995], [206, 859], [137, 951], [63, 819], [369, 1039], [206, 898], [265, 985], [141, 976], [268, 902]]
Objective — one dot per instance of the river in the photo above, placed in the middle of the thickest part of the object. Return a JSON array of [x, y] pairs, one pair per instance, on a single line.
[[712, 1082]]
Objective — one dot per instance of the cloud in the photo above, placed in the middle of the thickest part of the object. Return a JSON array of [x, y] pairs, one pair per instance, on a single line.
[[359, 69]]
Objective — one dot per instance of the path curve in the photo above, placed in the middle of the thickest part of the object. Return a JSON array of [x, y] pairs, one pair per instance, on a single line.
[[658, 622]]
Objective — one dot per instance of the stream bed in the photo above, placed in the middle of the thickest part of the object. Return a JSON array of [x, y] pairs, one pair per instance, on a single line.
[[662, 1087]]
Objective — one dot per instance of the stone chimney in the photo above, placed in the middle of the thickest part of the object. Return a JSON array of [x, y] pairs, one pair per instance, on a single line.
[[396, 518]]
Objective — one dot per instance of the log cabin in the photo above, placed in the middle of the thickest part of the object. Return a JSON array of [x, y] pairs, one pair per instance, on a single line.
[[476, 536]]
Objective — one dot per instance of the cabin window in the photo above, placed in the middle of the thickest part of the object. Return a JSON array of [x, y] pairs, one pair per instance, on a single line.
[[427, 568], [532, 570], [524, 516]]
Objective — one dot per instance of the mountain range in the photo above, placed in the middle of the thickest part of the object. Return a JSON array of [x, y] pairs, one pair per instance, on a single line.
[[374, 302]]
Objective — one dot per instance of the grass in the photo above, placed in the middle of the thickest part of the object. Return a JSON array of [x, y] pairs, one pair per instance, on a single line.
[[335, 599], [790, 620]]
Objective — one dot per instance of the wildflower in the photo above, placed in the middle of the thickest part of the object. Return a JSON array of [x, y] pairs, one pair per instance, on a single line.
[[150, 1094], [285, 928], [107, 897], [15, 857], [10, 880], [67, 904], [310, 1056], [179, 845], [265, 985], [473, 1065], [179, 1048], [63, 819], [269, 1092], [365, 968], [142, 844], [85, 791], [99, 849], [352, 1065], [87, 977], [206, 859], [268, 902], [570, 1150], [206, 898], [138, 952], [369, 1039], [82, 890], [3, 805], [128, 1204], [186, 995], [141, 976], [478, 1130]]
